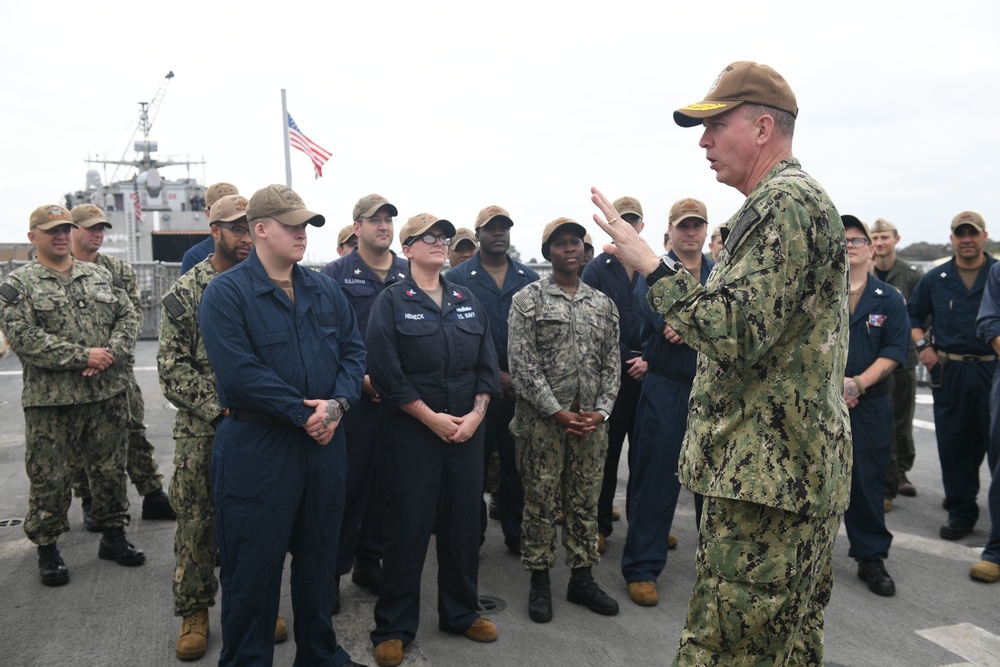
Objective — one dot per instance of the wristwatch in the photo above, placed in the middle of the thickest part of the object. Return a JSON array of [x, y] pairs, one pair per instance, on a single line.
[[604, 413], [667, 267], [345, 405], [921, 344]]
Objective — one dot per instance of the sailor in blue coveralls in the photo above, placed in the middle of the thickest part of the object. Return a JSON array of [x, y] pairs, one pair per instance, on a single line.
[[495, 277], [879, 342], [284, 345], [960, 364], [988, 328], [362, 275], [661, 417], [432, 360]]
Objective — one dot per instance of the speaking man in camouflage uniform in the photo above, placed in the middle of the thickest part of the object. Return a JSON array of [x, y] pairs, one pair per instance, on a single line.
[[768, 441], [564, 365], [188, 382], [904, 277], [88, 236], [73, 331]]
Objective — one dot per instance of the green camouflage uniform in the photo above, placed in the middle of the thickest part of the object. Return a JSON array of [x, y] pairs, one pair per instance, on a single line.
[[563, 353], [768, 432], [140, 465], [52, 323], [188, 382], [904, 277]]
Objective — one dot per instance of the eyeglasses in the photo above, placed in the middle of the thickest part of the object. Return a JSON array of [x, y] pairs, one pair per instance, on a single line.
[[430, 239], [858, 241], [236, 230]]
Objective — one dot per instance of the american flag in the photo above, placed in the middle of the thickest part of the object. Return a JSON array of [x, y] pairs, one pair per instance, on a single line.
[[136, 204], [318, 155]]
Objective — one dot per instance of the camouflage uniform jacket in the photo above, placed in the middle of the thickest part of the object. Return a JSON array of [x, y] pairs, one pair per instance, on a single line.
[[904, 277], [563, 350], [123, 276], [768, 423], [53, 322], [186, 376]]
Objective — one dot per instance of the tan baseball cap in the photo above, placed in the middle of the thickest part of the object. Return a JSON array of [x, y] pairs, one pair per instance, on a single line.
[[48, 216], [628, 205], [368, 205], [555, 226], [463, 234], [969, 218], [852, 221], [217, 191], [587, 241], [419, 224], [89, 215], [284, 205], [228, 209], [742, 81], [345, 235], [883, 225], [687, 208], [490, 212]]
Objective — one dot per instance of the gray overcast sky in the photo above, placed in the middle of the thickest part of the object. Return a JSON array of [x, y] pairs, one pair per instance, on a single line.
[[447, 107]]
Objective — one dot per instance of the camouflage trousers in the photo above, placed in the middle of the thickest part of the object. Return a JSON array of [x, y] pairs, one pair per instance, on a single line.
[[763, 581], [195, 584], [562, 477], [93, 433], [140, 464]]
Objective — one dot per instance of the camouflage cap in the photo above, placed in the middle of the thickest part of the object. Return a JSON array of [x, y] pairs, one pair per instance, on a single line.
[[883, 225], [741, 81], [491, 212], [852, 221], [228, 209], [217, 191], [368, 205], [463, 234], [49, 216], [419, 224], [687, 208], [345, 235], [89, 215], [628, 205], [555, 226], [284, 205], [968, 218]]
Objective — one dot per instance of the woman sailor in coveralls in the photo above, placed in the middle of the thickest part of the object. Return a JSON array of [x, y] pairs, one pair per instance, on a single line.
[[433, 362]]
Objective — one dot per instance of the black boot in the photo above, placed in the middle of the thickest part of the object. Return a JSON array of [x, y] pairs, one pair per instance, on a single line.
[[88, 515], [367, 573], [585, 591], [540, 597], [879, 581], [156, 505], [115, 546], [51, 567]]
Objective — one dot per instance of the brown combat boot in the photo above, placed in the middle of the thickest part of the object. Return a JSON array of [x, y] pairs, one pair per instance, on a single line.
[[193, 639]]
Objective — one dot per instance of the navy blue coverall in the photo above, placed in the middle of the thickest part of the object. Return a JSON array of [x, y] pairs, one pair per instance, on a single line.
[[361, 532], [961, 387], [606, 274], [276, 489], [445, 358], [988, 328], [496, 304], [660, 423], [880, 327]]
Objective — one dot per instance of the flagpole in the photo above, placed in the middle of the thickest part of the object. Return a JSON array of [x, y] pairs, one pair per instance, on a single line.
[[284, 134]]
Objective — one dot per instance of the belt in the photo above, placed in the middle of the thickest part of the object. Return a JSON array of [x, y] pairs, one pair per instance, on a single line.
[[251, 416], [968, 358], [670, 375]]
